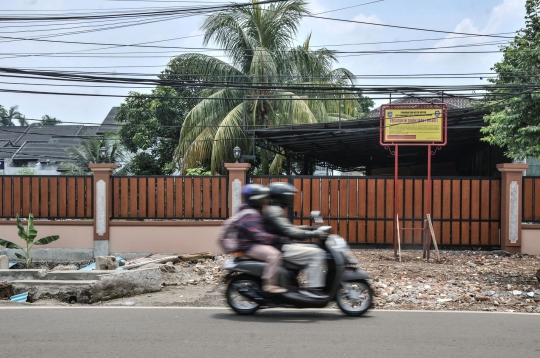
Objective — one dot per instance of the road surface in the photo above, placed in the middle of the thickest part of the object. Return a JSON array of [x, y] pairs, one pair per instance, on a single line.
[[100, 332]]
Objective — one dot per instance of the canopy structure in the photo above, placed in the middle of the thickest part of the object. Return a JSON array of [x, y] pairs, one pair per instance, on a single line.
[[354, 144]]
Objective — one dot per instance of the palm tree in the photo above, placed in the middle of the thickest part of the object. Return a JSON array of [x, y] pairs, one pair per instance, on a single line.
[[89, 151], [47, 120], [259, 43], [9, 116], [14, 113]]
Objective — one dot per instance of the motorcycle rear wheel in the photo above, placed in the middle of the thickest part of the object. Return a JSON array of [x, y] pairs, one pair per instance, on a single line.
[[238, 302], [355, 297]]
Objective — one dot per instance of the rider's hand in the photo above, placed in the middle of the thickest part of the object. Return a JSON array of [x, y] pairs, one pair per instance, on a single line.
[[321, 235]]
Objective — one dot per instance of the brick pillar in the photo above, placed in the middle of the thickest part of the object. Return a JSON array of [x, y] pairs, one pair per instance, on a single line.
[[237, 179], [512, 179], [102, 206]]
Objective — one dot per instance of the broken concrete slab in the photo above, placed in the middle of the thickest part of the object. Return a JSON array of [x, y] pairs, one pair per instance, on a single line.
[[12, 275], [103, 287], [4, 262]]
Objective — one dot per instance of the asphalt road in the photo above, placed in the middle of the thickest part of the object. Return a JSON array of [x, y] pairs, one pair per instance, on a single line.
[[107, 332]]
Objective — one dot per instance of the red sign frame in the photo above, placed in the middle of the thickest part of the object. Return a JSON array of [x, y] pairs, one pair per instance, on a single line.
[[444, 128]]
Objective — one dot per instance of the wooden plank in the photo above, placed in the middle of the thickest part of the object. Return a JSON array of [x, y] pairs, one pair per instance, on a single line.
[[142, 188], [117, 195], [484, 198], [197, 197], [214, 208], [456, 200], [334, 198], [485, 233], [408, 210], [361, 214], [26, 194], [325, 197], [447, 199], [1, 195], [124, 198], [475, 199], [316, 194], [224, 201], [44, 197], [436, 197], [35, 197], [297, 202], [188, 197], [475, 233], [495, 196], [179, 198], [89, 197], [7, 188], [206, 197], [536, 214], [306, 200], [134, 197], [53, 197], [62, 197], [169, 204], [71, 197], [371, 215], [528, 199], [352, 235], [465, 233], [419, 193], [494, 236], [465, 199], [160, 205], [151, 197], [79, 198]]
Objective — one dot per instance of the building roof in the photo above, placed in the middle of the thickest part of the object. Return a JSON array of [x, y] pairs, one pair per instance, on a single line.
[[53, 151], [11, 133], [36, 132], [109, 124], [453, 102], [352, 144]]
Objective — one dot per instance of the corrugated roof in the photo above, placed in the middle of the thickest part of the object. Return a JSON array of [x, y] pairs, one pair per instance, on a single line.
[[11, 133], [452, 102]]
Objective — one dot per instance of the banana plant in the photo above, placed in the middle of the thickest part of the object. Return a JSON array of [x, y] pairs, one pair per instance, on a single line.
[[28, 235]]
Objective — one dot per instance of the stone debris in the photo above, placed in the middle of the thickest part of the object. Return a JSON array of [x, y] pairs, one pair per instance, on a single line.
[[6, 290], [64, 268], [106, 263]]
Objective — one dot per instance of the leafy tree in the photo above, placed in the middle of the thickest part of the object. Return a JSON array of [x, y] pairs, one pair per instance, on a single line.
[[89, 151], [151, 128], [47, 120], [514, 101], [259, 43]]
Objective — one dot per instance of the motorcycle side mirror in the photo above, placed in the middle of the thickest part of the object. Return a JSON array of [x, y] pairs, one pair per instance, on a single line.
[[316, 215]]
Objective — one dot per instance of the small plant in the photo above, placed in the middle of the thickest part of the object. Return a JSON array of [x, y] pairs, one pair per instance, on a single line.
[[27, 235]]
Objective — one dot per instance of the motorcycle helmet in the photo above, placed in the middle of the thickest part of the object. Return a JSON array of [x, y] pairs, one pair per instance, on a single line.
[[254, 194], [282, 193]]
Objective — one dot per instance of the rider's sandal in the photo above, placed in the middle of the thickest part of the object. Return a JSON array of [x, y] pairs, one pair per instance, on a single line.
[[273, 289]]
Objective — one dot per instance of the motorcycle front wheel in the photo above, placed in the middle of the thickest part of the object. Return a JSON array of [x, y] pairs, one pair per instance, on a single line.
[[354, 297], [238, 288]]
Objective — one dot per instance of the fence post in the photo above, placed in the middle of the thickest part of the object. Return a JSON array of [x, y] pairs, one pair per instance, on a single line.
[[102, 206], [511, 216], [237, 179]]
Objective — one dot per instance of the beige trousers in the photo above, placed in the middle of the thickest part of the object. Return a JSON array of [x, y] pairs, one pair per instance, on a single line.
[[272, 257]]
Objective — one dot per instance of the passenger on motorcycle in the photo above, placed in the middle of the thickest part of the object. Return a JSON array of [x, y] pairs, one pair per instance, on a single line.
[[308, 255], [254, 241]]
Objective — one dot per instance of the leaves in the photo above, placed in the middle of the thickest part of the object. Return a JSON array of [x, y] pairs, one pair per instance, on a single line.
[[22, 232], [31, 232], [513, 122], [9, 244], [19, 256], [46, 240]]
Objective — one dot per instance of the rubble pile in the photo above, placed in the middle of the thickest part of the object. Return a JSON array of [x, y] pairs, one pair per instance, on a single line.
[[461, 280]]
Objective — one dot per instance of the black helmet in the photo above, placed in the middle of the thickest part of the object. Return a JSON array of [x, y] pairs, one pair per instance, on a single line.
[[282, 193], [254, 194]]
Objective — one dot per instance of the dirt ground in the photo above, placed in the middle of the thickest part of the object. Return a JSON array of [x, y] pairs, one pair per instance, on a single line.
[[461, 280]]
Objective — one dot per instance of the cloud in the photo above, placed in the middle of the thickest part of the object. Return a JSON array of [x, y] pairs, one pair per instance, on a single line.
[[501, 19]]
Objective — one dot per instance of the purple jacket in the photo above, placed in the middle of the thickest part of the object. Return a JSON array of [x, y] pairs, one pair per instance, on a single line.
[[251, 231]]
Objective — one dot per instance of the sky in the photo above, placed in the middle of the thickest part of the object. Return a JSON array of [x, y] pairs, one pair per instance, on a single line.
[[18, 48]]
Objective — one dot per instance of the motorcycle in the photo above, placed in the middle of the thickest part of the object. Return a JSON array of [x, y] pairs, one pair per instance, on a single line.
[[346, 284]]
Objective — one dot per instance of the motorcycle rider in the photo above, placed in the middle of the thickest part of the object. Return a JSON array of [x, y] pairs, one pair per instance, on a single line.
[[276, 222], [254, 241]]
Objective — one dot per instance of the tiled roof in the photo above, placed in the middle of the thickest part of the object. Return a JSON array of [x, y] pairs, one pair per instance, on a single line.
[[7, 152], [453, 102], [44, 133], [54, 150], [11, 133], [108, 124]]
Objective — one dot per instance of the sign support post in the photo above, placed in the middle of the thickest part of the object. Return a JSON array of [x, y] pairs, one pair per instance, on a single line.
[[413, 125]]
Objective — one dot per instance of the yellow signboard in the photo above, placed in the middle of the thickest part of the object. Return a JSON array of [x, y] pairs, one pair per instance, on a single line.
[[413, 125]]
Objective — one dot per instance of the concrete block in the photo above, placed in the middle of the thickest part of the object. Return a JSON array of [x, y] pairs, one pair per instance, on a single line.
[[79, 291], [127, 283], [13, 275], [4, 262], [101, 248], [106, 263]]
